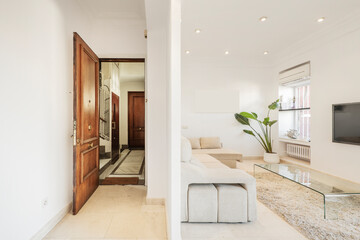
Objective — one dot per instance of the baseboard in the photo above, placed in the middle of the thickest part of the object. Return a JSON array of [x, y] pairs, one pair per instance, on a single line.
[[167, 219], [155, 201], [52, 223]]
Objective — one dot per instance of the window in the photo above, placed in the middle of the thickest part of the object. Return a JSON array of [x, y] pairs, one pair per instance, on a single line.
[[302, 117], [295, 109]]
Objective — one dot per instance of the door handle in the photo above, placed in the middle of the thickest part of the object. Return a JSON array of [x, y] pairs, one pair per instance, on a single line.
[[91, 145]]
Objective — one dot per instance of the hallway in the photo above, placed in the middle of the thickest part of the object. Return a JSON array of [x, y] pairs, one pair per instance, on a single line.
[[114, 212]]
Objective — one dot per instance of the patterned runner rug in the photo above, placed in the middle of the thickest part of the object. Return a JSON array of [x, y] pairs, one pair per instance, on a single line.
[[132, 164]]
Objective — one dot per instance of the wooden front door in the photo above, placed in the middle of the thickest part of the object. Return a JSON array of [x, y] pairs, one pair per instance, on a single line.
[[115, 133], [136, 119], [86, 123]]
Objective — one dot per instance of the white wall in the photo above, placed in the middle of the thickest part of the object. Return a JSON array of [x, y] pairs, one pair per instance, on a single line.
[[156, 93], [174, 118], [114, 39], [335, 78], [126, 87], [163, 108], [36, 46], [257, 90], [38, 39]]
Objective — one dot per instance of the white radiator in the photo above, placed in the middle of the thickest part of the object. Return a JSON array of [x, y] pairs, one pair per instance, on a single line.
[[298, 151]]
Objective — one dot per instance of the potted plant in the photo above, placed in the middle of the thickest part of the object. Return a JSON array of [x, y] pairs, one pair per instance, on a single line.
[[264, 137]]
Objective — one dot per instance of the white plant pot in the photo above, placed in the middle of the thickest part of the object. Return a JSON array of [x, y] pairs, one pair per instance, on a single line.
[[271, 157]]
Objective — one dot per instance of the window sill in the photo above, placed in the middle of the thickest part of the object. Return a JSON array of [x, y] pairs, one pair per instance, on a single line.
[[295, 141]]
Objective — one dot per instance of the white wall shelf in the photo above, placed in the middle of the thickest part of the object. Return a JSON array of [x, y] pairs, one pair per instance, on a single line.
[[294, 109]]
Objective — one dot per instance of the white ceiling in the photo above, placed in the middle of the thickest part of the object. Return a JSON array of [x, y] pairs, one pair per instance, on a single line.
[[234, 25], [132, 71], [114, 9]]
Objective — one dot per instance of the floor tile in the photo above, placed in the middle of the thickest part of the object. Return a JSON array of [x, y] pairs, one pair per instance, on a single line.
[[82, 226], [114, 213]]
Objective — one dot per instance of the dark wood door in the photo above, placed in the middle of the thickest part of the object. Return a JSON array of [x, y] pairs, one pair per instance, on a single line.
[[136, 119], [115, 133], [86, 123]]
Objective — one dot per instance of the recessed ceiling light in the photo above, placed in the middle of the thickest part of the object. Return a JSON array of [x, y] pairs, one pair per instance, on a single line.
[[321, 19], [198, 30], [263, 19], [187, 52], [266, 53], [227, 52]]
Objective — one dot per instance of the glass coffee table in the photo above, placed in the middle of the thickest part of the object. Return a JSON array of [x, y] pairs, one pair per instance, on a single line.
[[332, 188]]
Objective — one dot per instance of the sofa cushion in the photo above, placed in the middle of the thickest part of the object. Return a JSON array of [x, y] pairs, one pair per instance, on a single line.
[[203, 203], [232, 203], [186, 151], [210, 142], [195, 143]]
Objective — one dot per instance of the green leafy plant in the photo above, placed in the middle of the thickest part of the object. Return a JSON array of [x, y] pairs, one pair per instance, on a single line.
[[265, 126]]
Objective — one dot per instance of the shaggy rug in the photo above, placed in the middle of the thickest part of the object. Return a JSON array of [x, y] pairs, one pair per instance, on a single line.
[[303, 209]]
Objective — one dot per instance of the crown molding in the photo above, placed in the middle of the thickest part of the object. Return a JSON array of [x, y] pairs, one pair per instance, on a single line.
[[347, 25]]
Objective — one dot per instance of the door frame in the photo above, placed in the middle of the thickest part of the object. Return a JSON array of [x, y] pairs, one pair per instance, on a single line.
[[122, 60], [101, 60]]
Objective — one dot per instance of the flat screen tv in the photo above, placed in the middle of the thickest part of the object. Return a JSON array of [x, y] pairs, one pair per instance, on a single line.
[[346, 123]]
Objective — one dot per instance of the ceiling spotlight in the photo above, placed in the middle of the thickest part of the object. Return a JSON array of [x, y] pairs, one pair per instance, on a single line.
[[187, 52], [266, 53], [263, 19], [198, 30], [227, 52], [321, 20]]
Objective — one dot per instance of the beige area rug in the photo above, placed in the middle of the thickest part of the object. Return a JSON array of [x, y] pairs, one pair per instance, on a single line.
[[132, 164], [303, 209]]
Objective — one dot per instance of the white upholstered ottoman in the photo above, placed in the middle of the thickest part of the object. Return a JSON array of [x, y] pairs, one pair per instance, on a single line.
[[232, 203], [203, 203]]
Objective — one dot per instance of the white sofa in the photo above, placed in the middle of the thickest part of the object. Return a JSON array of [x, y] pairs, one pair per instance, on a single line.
[[203, 169], [213, 147]]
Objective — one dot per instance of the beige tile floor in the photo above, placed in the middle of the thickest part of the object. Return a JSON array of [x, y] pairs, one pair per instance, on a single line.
[[114, 212], [268, 227], [120, 212]]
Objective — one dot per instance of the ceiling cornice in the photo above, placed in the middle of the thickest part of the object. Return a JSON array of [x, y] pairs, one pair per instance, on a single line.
[[347, 25]]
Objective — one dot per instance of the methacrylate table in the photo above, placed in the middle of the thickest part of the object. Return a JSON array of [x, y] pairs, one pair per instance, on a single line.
[[333, 189]]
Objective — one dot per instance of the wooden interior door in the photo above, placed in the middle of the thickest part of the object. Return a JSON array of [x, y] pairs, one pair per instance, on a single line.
[[86, 123], [115, 133], [136, 119]]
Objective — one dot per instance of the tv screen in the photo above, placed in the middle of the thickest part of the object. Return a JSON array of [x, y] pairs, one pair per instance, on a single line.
[[346, 123]]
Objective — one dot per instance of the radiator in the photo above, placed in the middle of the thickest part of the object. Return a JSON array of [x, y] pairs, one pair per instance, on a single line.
[[298, 151]]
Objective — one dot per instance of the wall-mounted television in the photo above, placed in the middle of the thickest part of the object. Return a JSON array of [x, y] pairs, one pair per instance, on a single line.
[[346, 123]]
